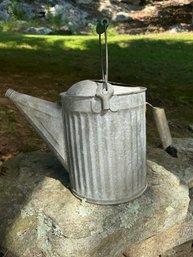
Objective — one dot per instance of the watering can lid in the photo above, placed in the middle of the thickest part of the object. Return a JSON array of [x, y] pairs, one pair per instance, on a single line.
[[88, 88]]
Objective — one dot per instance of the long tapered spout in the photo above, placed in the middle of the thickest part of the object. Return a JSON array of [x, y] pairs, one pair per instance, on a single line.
[[46, 118]]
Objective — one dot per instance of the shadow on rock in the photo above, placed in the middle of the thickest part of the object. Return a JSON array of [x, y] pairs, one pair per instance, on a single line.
[[21, 178]]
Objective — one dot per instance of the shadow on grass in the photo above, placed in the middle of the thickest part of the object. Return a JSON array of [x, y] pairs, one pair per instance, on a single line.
[[161, 63]]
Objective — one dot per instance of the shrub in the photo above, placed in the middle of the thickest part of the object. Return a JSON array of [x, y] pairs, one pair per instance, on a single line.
[[7, 25], [15, 11]]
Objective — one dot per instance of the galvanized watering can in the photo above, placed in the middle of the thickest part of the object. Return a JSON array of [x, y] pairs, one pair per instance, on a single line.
[[98, 133]]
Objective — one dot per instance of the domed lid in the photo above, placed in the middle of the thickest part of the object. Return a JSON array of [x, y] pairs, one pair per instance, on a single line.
[[83, 88], [88, 88]]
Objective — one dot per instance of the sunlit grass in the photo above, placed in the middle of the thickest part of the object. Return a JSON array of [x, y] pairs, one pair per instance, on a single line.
[[80, 42]]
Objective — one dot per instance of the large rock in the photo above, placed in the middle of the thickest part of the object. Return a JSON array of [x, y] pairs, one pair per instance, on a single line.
[[70, 14], [156, 246], [181, 166], [40, 216], [184, 147], [184, 250], [179, 237]]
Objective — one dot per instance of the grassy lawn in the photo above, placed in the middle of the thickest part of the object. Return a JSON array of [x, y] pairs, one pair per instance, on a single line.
[[44, 66]]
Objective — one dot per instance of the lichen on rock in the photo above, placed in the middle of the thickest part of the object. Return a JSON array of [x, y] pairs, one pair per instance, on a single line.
[[51, 220]]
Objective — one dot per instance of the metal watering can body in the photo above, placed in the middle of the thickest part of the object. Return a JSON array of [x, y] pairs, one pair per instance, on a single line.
[[99, 137]]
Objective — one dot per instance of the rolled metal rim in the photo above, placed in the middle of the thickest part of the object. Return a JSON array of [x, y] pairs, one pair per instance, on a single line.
[[110, 202], [141, 89], [118, 83]]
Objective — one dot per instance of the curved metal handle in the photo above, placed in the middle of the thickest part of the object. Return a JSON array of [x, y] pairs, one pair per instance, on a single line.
[[101, 28], [105, 90]]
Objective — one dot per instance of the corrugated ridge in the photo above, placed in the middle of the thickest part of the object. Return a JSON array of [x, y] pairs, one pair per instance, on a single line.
[[108, 159], [78, 133], [98, 150], [127, 139], [75, 135], [91, 158]]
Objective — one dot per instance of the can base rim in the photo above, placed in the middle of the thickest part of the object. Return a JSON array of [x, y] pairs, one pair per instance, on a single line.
[[110, 202]]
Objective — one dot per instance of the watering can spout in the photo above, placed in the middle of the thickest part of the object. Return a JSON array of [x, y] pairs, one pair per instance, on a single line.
[[46, 118]]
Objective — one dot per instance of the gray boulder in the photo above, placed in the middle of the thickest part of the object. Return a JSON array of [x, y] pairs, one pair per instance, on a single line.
[[70, 14], [4, 5], [4, 15], [19, 10], [41, 217], [84, 1], [184, 147], [41, 30], [122, 17], [178, 28], [181, 166], [174, 242], [190, 127]]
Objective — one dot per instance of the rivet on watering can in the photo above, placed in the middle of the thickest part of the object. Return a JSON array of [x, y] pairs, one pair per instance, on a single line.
[[96, 105]]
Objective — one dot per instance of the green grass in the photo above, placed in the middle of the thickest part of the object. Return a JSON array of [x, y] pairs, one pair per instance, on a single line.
[[47, 65]]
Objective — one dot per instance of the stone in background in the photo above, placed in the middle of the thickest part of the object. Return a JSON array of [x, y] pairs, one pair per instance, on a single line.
[[77, 16]]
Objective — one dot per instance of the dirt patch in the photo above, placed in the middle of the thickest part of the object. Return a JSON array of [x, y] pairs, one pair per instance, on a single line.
[[158, 18], [15, 132]]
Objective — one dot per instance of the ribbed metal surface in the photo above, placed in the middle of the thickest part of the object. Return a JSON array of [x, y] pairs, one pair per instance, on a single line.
[[107, 152]]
